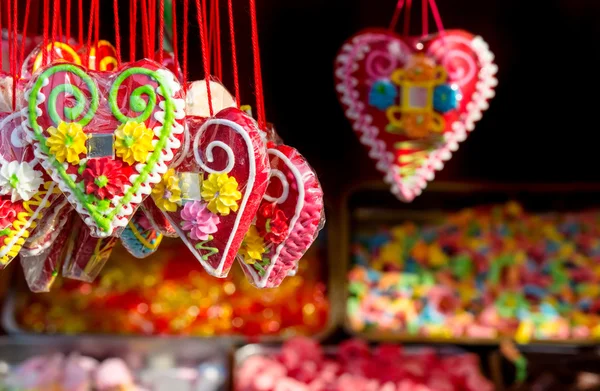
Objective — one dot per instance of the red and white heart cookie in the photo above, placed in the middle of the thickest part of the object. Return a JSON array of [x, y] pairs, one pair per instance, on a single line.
[[288, 219], [212, 197], [105, 137], [412, 101]]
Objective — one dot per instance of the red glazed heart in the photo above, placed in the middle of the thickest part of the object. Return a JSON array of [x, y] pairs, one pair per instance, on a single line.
[[412, 101], [105, 138], [25, 189], [287, 222], [212, 197]]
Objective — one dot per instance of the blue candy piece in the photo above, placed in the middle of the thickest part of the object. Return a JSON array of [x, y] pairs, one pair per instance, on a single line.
[[444, 98], [584, 304], [373, 275], [411, 266], [548, 310], [552, 246], [383, 94], [535, 290]]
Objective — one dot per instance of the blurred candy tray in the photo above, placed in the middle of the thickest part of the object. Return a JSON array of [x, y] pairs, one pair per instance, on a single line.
[[142, 354], [315, 271], [369, 206]]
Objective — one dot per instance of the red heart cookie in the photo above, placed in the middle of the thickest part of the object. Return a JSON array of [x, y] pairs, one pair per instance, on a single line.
[[287, 222], [412, 101], [212, 197], [25, 189], [105, 138]]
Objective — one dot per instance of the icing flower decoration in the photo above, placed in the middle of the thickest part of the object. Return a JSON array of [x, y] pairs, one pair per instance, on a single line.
[[19, 180], [199, 220], [444, 98], [417, 125], [7, 214], [221, 193], [420, 68], [103, 178], [67, 142], [383, 94], [133, 142], [272, 223], [253, 247], [167, 193]]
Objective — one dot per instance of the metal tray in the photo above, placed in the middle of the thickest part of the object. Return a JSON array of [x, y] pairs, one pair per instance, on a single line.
[[334, 280], [368, 202], [210, 359]]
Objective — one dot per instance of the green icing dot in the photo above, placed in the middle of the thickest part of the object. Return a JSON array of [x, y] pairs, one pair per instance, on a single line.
[[5, 231], [14, 180], [128, 141], [101, 181]]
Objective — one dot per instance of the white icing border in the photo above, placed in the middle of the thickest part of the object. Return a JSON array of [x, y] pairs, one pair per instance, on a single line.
[[230, 164], [261, 282], [121, 219], [408, 188], [284, 183]]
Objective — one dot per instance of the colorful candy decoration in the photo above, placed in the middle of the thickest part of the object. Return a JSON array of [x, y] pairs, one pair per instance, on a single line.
[[486, 273], [140, 238], [288, 219], [412, 101], [218, 188], [106, 160], [302, 364]]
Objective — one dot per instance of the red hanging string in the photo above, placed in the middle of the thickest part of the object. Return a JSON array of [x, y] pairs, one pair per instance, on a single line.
[[219, 66], [80, 25], [407, 18], [97, 25], [46, 30], [14, 55], [161, 30], [211, 34], [117, 31], [396, 15], [60, 35], [236, 76], [436, 16], [424, 17], [91, 27], [9, 31], [24, 35], [186, 8], [174, 31], [145, 29], [208, 32], [55, 12], [133, 29], [68, 22], [201, 25], [152, 14], [1, 55], [260, 104]]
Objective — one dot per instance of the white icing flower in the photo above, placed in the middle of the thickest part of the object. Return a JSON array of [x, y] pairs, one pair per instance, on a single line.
[[19, 180]]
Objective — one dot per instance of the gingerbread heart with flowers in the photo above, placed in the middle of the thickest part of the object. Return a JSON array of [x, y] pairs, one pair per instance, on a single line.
[[212, 197], [412, 101], [25, 189], [106, 138]]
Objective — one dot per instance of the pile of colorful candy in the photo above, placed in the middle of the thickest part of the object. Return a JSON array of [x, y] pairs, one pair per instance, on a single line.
[[481, 273], [302, 365], [168, 294], [80, 373]]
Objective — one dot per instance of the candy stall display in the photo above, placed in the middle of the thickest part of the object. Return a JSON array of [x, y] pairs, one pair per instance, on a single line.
[[106, 364], [169, 293], [301, 364], [477, 275]]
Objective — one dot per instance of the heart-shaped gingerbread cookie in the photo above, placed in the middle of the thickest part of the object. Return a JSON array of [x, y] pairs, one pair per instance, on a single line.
[[105, 137], [212, 197], [412, 101]]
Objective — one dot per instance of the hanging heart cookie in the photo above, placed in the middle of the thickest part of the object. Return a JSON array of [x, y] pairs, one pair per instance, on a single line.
[[25, 189], [140, 238], [412, 101], [212, 197], [288, 219], [105, 138]]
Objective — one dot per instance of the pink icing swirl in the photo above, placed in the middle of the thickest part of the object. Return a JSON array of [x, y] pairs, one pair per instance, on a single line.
[[198, 220]]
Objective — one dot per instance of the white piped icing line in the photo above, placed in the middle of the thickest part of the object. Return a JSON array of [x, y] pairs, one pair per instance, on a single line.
[[406, 189], [121, 219], [284, 184]]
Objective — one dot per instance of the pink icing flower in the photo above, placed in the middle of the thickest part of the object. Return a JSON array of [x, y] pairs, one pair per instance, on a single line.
[[200, 221]]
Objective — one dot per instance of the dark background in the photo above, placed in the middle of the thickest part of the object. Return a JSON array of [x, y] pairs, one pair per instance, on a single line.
[[541, 126]]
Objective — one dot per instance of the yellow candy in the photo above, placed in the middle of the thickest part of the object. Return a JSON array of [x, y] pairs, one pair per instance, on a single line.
[[566, 250], [524, 332], [437, 257], [596, 332], [439, 331], [391, 252]]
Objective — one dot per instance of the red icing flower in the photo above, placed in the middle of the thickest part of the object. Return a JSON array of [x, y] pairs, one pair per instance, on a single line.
[[7, 213], [272, 223], [103, 178]]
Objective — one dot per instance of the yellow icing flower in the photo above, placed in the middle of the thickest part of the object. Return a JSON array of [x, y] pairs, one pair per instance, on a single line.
[[67, 142], [167, 193], [133, 142], [221, 193], [253, 247]]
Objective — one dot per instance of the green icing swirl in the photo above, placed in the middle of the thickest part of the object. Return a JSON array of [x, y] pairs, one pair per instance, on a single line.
[[138, 104]]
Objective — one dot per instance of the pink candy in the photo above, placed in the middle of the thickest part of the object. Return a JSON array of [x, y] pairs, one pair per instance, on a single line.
[[302, 365]]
